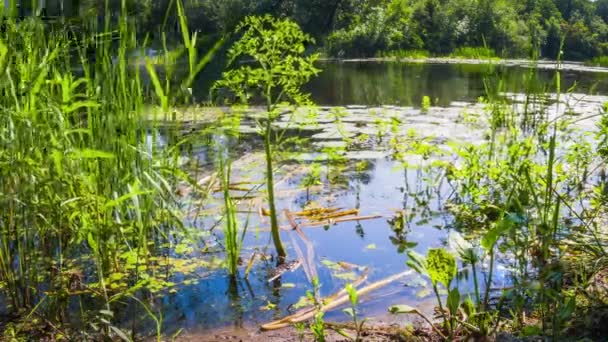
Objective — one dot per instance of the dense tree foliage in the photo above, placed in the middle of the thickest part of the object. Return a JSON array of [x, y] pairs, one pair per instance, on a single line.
[[512, 28]]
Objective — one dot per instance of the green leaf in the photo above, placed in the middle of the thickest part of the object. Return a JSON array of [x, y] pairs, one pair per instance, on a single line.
[[123, 336], [417, 262], [87, 153], [441, 266], [346, 276], [349, 311], [352, 294], [423, 293], [92, 242], [371, 246], [164, 100], [402, 309], [453, 301], [489, 240]]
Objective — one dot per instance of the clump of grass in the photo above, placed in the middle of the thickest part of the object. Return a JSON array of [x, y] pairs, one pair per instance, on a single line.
[[405, 54], [601, 61], [86, 188], [479, 52]]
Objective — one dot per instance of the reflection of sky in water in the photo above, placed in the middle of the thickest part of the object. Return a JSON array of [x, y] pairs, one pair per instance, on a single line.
[[216, 301]]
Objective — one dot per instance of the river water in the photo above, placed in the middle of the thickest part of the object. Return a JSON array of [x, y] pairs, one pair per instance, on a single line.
[[369, 95]]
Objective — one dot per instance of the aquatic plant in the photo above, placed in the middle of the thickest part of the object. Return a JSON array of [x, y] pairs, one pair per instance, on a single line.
[[352, 313], [405, 54], [426, 104], [278, 71], [317, 326], [474, 53], [87, 189]]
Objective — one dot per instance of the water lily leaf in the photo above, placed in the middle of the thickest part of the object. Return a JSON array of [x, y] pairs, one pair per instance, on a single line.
[[423, 293], [334, 266], [302, 303], [346, 276]]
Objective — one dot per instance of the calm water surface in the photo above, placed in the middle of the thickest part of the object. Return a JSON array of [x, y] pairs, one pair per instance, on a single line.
[[381, 188]]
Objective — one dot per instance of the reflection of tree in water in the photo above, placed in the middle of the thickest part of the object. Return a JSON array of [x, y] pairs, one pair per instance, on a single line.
[[234, 297], [415, 206]]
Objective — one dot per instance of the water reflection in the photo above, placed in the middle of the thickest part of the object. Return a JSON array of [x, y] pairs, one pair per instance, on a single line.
[[409, 197], [367, 83]]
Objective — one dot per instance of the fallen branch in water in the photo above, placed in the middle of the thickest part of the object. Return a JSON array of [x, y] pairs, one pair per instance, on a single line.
[[339, 220], [330, 303], [308, 263], [284, 268]]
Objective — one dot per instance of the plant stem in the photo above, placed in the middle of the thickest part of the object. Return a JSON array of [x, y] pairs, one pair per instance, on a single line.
[[274, 225], [489, 281]]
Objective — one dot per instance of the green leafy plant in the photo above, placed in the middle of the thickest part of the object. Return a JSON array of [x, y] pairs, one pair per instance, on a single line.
[[426, 104], [352, 313], [317, 326], [276, 75], [440, 266]]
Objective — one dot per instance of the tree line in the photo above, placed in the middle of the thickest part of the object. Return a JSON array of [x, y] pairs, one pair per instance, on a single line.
[[362, 28], [512, 28]]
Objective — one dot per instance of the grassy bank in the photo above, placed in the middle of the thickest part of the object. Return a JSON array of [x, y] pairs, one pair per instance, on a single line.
[[90, 218]]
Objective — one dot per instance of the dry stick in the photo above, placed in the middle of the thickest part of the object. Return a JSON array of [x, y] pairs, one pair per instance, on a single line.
[[341, 299], [325, 223], [280, 273], [301, 258], [340, 220], [335, 215], [316, 211], [310, 250], [340, 293]]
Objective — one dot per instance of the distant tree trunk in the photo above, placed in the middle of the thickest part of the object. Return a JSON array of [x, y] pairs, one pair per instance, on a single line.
[[332, 15]]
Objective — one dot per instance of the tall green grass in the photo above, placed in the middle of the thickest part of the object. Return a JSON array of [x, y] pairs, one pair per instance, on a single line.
[[536, 187], [479, 52], [87, 191]]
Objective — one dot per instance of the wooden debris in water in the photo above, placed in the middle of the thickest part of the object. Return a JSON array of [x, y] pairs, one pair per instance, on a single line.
[[330, 303], [233, 187], [330, 222], [308, 262], [283, 268], [334, 215], [315, 212]]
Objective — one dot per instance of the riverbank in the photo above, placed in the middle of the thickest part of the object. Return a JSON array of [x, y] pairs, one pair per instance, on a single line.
[[541, 64]]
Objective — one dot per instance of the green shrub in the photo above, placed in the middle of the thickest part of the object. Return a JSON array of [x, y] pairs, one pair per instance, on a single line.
[[601, 61], [405, 54], [474, 53]]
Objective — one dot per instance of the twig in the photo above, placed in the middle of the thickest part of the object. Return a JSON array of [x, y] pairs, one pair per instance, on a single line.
[[341, 298]]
